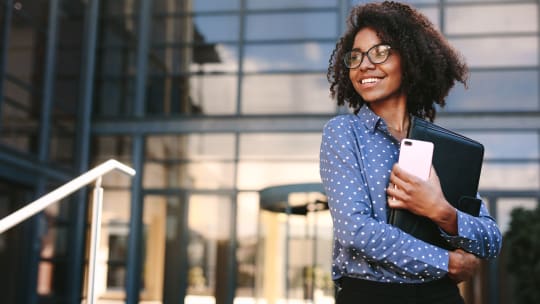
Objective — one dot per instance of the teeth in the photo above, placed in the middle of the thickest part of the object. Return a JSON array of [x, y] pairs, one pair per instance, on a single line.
[[369, 80]]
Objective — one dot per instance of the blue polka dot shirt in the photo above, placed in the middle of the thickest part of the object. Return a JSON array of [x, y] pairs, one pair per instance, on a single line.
[[356, 158]]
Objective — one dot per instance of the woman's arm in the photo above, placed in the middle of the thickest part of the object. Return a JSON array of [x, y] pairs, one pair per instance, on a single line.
[[478, 235]]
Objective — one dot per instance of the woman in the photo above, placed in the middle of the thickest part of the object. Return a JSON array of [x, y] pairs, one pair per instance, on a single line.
[[392, 63]]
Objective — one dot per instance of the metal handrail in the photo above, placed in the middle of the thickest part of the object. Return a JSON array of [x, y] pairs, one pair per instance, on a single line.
[[60, 193]]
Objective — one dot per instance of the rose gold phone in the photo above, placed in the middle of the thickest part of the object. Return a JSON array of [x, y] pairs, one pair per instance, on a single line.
[[415, 157]]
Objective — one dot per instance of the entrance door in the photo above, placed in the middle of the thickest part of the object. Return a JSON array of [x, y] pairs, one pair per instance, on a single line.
[[13, 247], [187, 241]]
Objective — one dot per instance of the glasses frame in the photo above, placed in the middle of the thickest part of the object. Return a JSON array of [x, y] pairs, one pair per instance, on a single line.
[[347, 57]]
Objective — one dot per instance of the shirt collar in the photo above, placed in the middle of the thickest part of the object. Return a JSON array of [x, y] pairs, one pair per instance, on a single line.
[[369, 119]]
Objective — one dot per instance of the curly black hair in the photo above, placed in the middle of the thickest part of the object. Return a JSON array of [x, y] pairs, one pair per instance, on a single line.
[[430, 66]]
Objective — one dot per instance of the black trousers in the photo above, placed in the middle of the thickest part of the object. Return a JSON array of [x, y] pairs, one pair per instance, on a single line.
[[356, 291]]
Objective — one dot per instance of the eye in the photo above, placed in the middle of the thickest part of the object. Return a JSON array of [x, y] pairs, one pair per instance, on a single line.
[[381, 51], [355, 56]]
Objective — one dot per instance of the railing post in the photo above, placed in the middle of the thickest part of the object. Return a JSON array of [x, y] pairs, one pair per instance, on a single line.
[[97, 207]]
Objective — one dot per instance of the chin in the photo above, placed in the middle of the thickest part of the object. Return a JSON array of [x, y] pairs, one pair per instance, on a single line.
[[371, 99]]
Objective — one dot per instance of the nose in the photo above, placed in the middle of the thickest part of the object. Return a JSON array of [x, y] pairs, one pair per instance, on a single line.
[[366, 64]]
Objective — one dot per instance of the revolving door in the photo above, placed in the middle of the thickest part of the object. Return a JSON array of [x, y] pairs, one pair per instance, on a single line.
[[295, 245]]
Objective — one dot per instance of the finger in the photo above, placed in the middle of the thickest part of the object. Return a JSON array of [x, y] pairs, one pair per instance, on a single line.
[[393, 191], [402, 177], [400, 188], [433, 171], [395, 203], [433, 174], [396, 180], [402, 174]]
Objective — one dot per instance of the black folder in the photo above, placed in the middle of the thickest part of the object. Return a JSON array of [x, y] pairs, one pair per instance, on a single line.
[[458, 163]]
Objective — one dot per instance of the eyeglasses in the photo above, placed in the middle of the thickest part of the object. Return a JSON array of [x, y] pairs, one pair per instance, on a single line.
[[377, 54]]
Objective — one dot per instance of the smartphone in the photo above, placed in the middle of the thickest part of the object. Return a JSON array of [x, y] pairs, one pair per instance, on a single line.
[[415, 157]]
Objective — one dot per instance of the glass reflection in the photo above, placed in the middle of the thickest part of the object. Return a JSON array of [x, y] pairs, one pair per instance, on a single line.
[[499, 52], [218, 28], [265, 146], [512, 176], [214, 5], [496, 91], [198, 161], [502, 145], [246, 252], [214, 59], [518, 18], [184, 45], [305, 56], [286, 94], [505, 207], [480, 1], [214, 94], [203, 175], [421, 1], [433, 14], [294, 247], [208, 254], [111, 266], [24, 76], [190, 147], [260, 174], [198, 29], [291, 26], [281, 4]]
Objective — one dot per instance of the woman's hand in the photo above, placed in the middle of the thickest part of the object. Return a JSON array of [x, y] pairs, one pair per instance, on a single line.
[[462, 265], [425, 198]]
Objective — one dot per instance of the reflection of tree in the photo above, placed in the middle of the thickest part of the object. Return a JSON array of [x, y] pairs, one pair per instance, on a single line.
[[168, 89], [203, 53], [523, 246], [312, 278], [197, 256], [246, 256], [196, 279]]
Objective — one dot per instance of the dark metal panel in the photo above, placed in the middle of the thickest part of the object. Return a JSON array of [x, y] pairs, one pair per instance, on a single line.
[[490, 121], [212, 124], [135, 239], [32, 167], [4, 38], [241, 52], [48, 81], [82, 151], [307, 123], [143, 46], [134, 258], [43, 148], [232, 263]]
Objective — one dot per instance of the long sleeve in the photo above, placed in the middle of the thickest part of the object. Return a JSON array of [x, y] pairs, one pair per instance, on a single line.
[[355, 163], [478, 235]]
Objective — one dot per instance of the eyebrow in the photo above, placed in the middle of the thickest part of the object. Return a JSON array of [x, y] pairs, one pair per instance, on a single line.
[[358, 49]]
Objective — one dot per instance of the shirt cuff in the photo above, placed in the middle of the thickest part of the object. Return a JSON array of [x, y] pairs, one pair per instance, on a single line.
[[459, 240]]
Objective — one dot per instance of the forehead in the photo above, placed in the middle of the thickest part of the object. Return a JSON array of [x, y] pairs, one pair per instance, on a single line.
[[365, 39]]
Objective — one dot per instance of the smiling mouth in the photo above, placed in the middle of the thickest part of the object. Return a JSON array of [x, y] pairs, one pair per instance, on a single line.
[[370, 80]]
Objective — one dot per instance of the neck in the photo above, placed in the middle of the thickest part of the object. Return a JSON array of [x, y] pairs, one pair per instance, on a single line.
[[400, 124], [394, 113]]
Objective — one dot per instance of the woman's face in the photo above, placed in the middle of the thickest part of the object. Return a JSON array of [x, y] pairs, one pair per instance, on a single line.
[[376, 82]]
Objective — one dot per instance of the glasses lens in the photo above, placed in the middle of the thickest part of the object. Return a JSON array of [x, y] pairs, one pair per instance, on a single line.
[[353, 59], [379, 53]]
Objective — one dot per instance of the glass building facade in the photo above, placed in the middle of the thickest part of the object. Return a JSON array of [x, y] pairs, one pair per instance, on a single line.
[[219, 106]]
